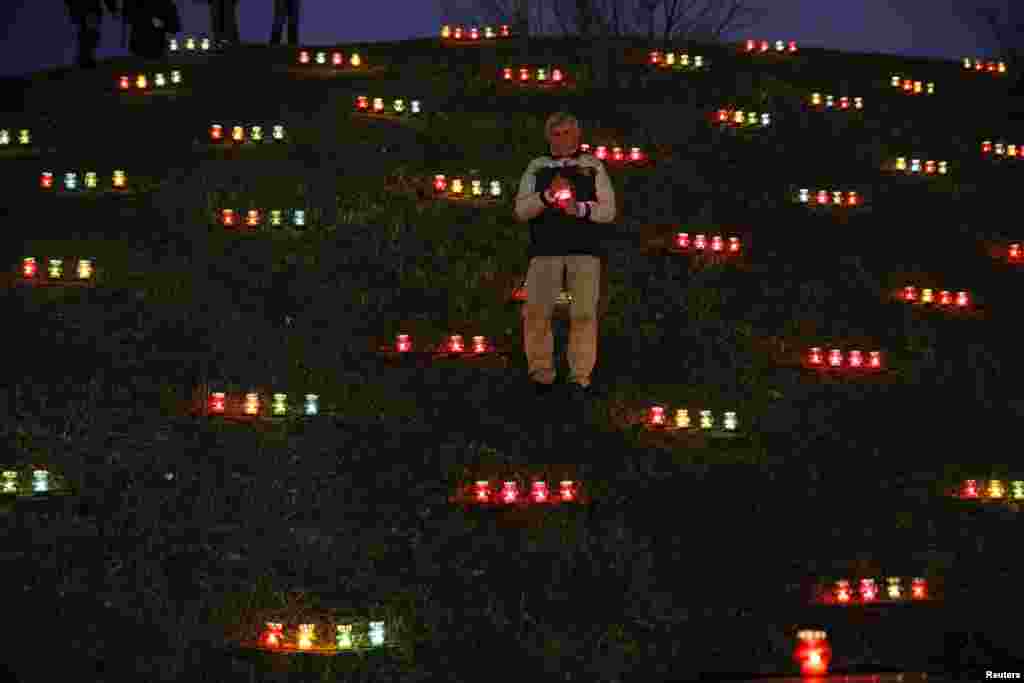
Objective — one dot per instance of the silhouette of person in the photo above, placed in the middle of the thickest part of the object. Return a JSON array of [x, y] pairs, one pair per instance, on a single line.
[[286, 10], [224, 21], [151, 22], [87, 16]]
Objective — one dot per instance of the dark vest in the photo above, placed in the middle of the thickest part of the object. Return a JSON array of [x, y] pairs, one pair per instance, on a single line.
[[553, 233]]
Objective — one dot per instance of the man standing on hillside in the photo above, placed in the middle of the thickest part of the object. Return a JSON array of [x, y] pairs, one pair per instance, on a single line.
[[563, 196], [286, 10]]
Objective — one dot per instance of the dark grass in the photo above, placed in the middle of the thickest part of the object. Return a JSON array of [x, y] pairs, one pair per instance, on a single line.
[[823, 449]]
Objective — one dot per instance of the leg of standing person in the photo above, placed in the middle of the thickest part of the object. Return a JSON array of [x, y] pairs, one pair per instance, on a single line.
[[543, 283], [278, 26], [583, 276], [232, 10], [216, 20], [294, 10]]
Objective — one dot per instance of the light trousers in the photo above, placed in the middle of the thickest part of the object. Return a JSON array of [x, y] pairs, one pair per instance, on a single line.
[[543, 284]]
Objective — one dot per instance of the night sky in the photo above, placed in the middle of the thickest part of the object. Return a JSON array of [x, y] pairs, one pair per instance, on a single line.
[[40, 36]]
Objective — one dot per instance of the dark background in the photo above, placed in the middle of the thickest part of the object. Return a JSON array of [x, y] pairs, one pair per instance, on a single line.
[[37, 35]]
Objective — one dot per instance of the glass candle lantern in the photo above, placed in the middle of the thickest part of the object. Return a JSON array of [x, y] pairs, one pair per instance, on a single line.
[[730, 421], [683, 240], [509, 492], [868, 590], [919, 589], [1000, 149], [344, 636], [216, 132], [376, 633], [822, 197], [918, 87], [29, 267], [716, 243], [399, 106], [930, 88], [495, 188], [55, 270], [995, 490], [256, 133], [440, 183], [567, 490], [458, 33], [601, 152], [1011, 150], [635, 154], [814, 356], [700, 242], [895, 81], [252, 218], [524, 74], [539, 492], [275, 217], [299, 218], [842, 591], [278, 132], [670, 59], [403, 343], [813, 653], [852, 198], [738, 117], [84, 269], [908, 85], [307, 634], [252, 404], [698, 61], [1017, 490], [482, 491], [803, 196], [362, 102], [617, 154], [505, 31], [227, 217], [875, 359], [91, 181], [506, 74], [656, 416], [414, 107], [159, 80], [457, 186], [71, 181], [190, 43], [40, 481], [488, 32], [750, 46], [173, 45], [204, 44], [321, 57], [279, 405], [844, 102], [273, 635], [837, 197], [542, 75], [217, 402], [829, 101], [475, 187], [706, 419], [901, 163], [766, 119], [654, 57], [455, 344], [779, 46], [909, 293], [835, 358], [557, 76], [337, 59], [682, 419], [929, 167], [140, 82], [943, 167], [238, 133], [945, 297], [479, 344], [752, 118], [176, 77], [856, 359], [734, 245], [119, 179], [894, 589], [927, 296], [858, 102], [969, 489], [355, 60], [1015, 252], [378, 104], [915, 165], [9, 481], [764, 46], [312, 406], [986, 146]]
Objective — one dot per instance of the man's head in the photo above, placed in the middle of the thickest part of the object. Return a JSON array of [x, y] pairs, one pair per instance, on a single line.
[[562, 131]]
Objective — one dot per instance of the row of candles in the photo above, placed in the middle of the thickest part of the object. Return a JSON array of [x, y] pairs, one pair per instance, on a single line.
[[9, 482], [993, 489], [868, 591], [336, 58], [927, 295], [252, 406], [511, 492], [681, 419], [241, 134], [189, 43], [453, 343], [89, 180], [670, 59], [363, 104], [274, 637], [741, 118], [254, 218], [557, 75], [84, 268], [456, 186], [142, 81], [474, 33], [7, 137], [835, 358], [833, 197], [912, 87], [700, 242]]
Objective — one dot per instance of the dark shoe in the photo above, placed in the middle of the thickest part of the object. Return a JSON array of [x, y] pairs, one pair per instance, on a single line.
[[542, 390]]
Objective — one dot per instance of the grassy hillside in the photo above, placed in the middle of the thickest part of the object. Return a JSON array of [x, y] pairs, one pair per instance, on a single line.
[[353, 508]]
